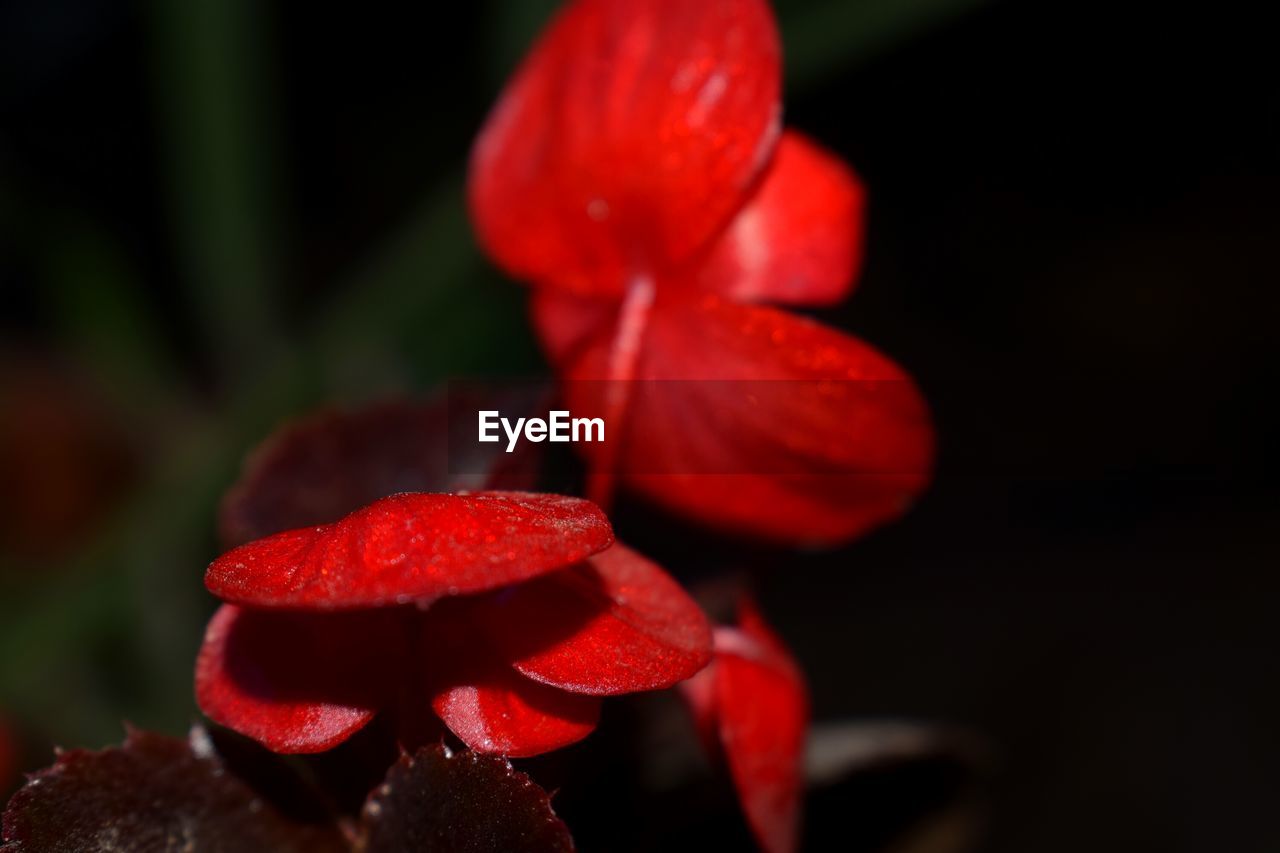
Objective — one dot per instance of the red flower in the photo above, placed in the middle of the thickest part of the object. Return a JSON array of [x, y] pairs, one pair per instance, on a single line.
[[634, 172], [752, 704], [508, 613]]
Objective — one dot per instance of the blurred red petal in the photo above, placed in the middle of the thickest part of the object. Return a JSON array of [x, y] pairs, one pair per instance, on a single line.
[[800, 239], [626, 140], [565, 323], [782, 429], [412, 547], [614, 624], [753, 695], [295, 682], [317, 469], [503, 712], [764, 716], [752, 623]]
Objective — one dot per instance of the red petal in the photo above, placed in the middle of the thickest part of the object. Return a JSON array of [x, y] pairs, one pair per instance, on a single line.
[[412, 547], [758, 703], [294, 682], [566, 323], [486, 703], [751, 622], [627, 139], [800, 238], [502, 712], [789, 431], [614, 624]]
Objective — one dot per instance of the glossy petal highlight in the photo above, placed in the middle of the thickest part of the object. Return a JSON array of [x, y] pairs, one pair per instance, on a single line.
[[799, 241]]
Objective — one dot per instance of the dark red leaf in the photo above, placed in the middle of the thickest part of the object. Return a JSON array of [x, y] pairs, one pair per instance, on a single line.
[[291, 783], [614, 624], [152, 794], [781, 428], [320, 468], [799, 240], [460, 803], [754, 697], [412, 547], [626, 140], [297, 682]]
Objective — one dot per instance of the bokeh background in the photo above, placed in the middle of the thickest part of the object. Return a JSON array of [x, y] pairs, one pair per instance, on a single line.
[[216, 214]]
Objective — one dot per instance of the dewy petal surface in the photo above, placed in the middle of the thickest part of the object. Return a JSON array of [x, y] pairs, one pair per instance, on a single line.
[[412, 547], [799, 241], [763, 423], [295, 682], [626, 139], [614, 624]]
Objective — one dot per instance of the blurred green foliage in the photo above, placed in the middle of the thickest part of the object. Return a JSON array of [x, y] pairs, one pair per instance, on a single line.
[[112, 633]]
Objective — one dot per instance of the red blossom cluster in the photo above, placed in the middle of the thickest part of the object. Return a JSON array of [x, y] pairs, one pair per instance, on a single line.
[[508, 614], [635, 172]]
